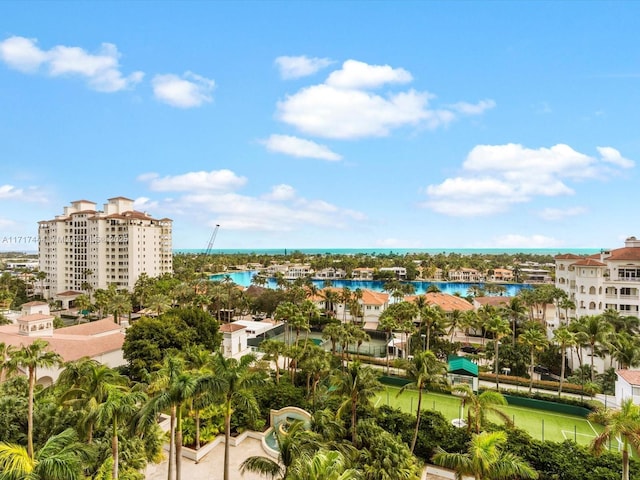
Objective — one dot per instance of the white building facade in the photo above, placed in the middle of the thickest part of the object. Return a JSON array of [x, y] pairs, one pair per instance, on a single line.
[[608, 280], [85, 246]]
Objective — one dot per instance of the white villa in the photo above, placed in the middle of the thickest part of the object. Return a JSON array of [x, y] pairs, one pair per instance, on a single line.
[[101, 340], [608, 280]]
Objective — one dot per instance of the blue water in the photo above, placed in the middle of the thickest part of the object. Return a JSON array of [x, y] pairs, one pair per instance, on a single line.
[[244, 279]]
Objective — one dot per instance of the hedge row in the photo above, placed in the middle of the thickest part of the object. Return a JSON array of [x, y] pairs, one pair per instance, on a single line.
[[524, 382]]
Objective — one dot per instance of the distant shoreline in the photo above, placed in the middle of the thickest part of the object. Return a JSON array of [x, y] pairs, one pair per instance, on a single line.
[[392, 251]]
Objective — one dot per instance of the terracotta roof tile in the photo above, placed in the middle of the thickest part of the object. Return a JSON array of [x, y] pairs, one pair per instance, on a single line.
[[34, 317], [447, 302], [567, 256], [632, 377], [626, 253], [99, 327], [231, 327], [493, 301], [589, 262]]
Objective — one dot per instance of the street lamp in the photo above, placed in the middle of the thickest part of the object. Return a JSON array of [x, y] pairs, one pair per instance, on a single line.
[[424, 341]]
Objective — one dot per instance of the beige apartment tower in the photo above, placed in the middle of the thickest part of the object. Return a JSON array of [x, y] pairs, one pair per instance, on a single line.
[[87, 248]]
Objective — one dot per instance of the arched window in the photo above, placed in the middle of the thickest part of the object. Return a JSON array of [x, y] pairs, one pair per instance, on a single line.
[[592, 306], [592, 291]]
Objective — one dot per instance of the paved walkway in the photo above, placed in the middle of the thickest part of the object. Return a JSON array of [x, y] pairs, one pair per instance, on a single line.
[[211, 466]]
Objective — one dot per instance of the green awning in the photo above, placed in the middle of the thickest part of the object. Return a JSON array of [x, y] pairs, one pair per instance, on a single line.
[[462, 366]]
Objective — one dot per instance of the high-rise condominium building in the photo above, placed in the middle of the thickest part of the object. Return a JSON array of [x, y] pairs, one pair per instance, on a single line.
[[86, 249], [609, 280]]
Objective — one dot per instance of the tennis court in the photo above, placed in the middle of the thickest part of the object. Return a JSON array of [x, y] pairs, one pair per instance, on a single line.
[[540, 424]]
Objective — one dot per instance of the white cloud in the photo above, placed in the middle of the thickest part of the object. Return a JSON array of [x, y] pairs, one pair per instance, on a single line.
[[473, 108], [144, 204], [611, 155], [355, 75], [188, 91], [301, 66], [522, 241], [101, 70], [343, 107], [6, 223], [281, 209], [281, 192], [497, 176], [554, 214], [22, 54], [10, 191], [218, 180], [299, 147]]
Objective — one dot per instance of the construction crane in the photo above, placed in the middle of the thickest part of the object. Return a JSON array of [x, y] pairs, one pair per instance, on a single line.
[[212, 240]]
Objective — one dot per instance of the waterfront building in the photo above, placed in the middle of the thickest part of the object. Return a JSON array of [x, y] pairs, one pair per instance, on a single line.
[[362, 273], [86, 249], [466, 275], [607, 280]]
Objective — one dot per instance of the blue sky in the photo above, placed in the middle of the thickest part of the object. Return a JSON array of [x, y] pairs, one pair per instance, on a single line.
[[327, 124]]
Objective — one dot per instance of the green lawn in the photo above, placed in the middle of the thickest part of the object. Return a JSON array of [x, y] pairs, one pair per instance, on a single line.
[[538, 423]]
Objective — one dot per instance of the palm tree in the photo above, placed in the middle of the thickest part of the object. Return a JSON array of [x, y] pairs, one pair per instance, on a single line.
[[332, 332], [564, 339], [234, 382], [424, 370], [388, 323], [120, 405], [83, 303], [62, 457], [358, 384], [622, 424], [500, 328], [273, 350], [171, 388], [515, 310], [431, 315], [31, 357], [323, 465], [85, 383], [485, 459], [481, 405], [591, 331], [535, 340], [119, 304], [159, 303], [292, 446]]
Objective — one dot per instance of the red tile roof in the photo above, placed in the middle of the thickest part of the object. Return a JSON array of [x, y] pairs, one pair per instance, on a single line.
[[99, 327], [33, 304], [632, 377], [493, 301], [231, 327], [589, 262], [447, 302], [374, 298], [34, 317], [626, 253], [567, 256]]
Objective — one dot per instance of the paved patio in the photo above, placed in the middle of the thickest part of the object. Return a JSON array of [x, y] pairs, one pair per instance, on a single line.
[[211, 466]]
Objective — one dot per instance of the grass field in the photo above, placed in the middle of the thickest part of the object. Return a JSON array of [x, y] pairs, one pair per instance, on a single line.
[[539, 424]]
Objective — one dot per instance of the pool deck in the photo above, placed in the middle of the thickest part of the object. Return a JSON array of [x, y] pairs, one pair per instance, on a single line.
[[211, 466]]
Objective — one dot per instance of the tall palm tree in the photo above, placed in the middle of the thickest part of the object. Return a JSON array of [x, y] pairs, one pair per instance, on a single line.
[[424, 370], [332, 333], [388, 323], [480, 405], [85, 383], [431, 315], [273, 350], [120, 405], [119, 304], [515, 311], [234, 382], [535, 340], [485, 459], [83, 303], [622, 424], [172, 387], [591, 331], [564, 339], [357, 384], [62, 457], [31, 357], [500, 328]]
